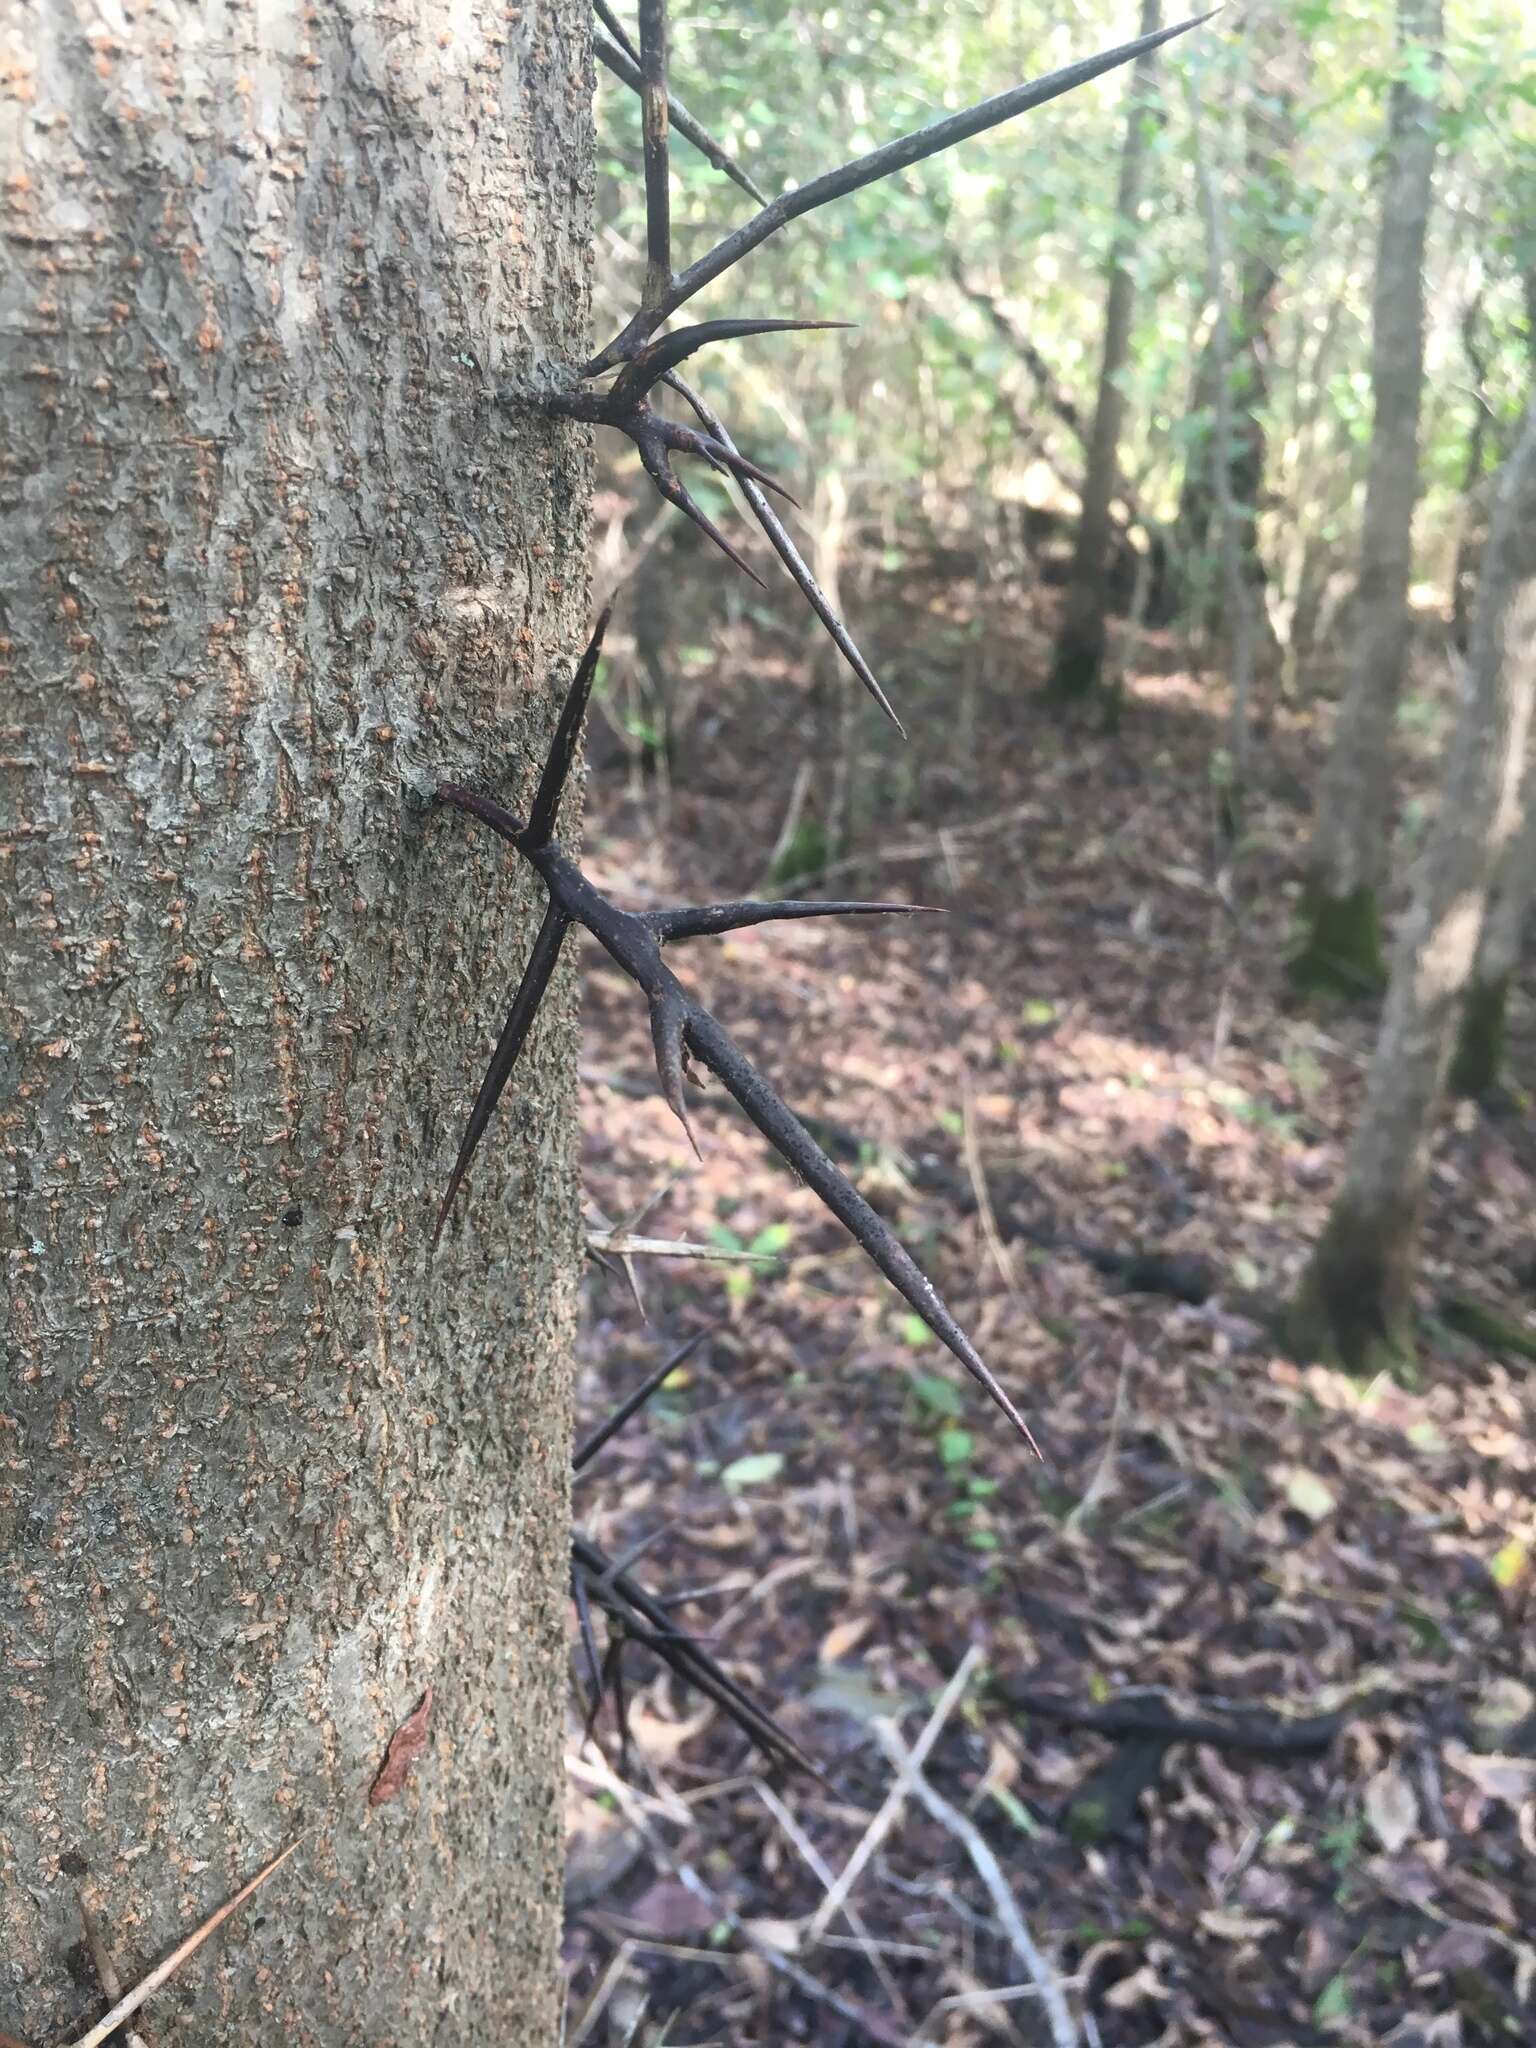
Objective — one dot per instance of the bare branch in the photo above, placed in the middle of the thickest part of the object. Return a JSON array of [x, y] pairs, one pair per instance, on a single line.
[[866, 170], [624, 1244], [1053, 2002]]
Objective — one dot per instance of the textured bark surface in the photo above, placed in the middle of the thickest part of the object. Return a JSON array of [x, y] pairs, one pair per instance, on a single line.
[[1080, 646], [275, 565], [1357, 1294], [1350, 838]]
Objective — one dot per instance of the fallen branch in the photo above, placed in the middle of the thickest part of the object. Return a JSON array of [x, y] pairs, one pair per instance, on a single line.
[[895, 1799], [1053, 2002]]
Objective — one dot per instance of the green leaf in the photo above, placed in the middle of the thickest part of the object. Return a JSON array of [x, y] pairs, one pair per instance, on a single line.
[[1309, 1495], [1016, 1810], [955, 1446], [755, 1470], [938, 1396], [916, 1332], [1332, 2001]]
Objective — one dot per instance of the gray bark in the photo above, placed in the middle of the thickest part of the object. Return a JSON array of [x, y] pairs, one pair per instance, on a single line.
[[1234, 371], [1509, 899], [1349, 850], [1359, 1287], [1082, 641], [273, 565], [1239, 600]]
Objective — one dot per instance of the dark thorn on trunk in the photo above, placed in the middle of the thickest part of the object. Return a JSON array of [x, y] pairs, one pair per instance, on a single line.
[[631, 1405], [678, 1021], [623, 60], [514, 1036], [799, 569], [653, 123], [669, 1020], [710, 920]]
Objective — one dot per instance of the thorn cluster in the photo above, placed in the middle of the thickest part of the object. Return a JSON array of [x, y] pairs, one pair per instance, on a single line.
[[635, 1616], [624, 404], [682, 1030]]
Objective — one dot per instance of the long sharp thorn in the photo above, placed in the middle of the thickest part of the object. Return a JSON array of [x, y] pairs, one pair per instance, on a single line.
[[665, 354], [485, 808], [631, 1405], [727, 458], [606, 1585], [784, 547], [669, 1016], [794, 1143], [654, 455], [687, 1662], [514, 1035], [653, 111], [588, 1639], [541, 819], [867, 170], [709, 922]]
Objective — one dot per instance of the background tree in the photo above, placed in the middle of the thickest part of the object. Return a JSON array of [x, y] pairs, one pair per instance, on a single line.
[[1479, 1056], [1355, 1301], [1341, 912], [267, 1471], [1270, 218], [1080, 644]]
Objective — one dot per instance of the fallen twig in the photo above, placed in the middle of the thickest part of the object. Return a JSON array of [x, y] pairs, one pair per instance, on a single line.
[[164, 1971], [1053, 2004], [895, 1799]]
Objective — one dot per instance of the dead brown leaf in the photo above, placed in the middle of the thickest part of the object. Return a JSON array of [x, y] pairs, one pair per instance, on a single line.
[[405, 1746]]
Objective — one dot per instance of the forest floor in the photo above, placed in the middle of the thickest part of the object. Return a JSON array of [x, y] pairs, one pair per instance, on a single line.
[[1096, 1043]]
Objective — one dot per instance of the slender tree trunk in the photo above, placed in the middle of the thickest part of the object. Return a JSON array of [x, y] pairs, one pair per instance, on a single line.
[[1238, 596], [1235, 363], [1355, 1301], [1081, 643], [1480, 1042], [275, 564], [1341, 915]]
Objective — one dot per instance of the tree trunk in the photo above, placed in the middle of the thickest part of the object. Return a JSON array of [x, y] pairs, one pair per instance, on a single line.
[[1355, 1302], [1232, 461], [1341, 916], [1081, 643], [276, 565], [1480, 1041]]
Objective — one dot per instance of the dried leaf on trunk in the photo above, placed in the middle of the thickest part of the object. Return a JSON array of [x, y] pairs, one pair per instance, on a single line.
[[405, 1746]]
